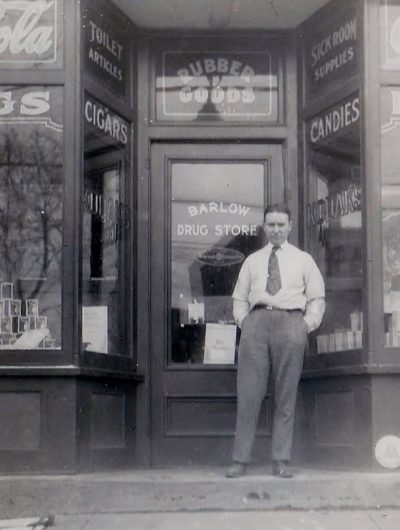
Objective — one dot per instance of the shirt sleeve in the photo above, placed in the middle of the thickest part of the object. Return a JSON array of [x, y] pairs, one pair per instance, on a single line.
[[315, 310], [313, 280], [241, 293]]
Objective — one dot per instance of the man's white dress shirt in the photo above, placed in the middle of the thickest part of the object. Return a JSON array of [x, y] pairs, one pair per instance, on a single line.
[[302, 288]]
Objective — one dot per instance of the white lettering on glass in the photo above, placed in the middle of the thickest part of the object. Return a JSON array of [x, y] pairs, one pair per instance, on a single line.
[[31, 104], [106, 122], [26, 35], [394, 120], [218, 207], [31, 107], [328, 54], [335, 120]]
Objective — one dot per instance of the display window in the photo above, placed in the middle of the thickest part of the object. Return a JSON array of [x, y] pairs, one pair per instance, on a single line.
[[390, 160], [334, 222], [106, 224], [31, 205]]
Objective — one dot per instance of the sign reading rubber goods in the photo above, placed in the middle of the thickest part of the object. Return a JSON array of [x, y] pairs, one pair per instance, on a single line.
[[28, 31], [217, 85]]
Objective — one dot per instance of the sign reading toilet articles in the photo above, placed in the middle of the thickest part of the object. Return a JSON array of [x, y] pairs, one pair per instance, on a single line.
[[106, 46], [209, 221]]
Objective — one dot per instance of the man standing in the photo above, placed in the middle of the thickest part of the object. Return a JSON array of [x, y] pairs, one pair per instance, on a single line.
[[278, 299]]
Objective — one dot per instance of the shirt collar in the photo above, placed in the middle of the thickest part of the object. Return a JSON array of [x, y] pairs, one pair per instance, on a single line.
[[284, 245]]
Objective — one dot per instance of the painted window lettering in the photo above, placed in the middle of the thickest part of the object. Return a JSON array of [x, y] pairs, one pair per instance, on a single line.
[[334, 50], [218, 66], [26, 35], [106, 122], [335, 120], [31, 104], [101, 37]]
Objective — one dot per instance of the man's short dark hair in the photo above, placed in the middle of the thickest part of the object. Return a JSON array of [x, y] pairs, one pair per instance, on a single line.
[[279, 208]]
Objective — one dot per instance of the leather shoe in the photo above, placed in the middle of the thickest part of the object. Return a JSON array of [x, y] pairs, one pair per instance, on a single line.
[[279, 469], [236, 470]]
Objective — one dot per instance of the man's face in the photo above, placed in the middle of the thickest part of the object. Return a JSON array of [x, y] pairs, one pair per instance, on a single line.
[[277, 227]]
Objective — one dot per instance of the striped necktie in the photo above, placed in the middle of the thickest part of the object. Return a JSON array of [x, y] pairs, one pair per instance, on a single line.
[[274, 282]]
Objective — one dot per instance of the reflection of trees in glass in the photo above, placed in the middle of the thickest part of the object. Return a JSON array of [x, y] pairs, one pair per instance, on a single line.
[[31, 213]]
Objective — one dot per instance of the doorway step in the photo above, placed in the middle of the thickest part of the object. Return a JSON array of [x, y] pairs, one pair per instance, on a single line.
[[196, 489]]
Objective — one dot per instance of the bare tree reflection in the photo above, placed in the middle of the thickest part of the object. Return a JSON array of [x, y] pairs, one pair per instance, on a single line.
[[31, 214]]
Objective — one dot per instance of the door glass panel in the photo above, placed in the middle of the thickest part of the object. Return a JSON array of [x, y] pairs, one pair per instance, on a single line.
[[215, 223]]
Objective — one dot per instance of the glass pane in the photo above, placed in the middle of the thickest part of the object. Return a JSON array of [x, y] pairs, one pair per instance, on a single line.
[[390, 34], [31, 201], [215, 224], [334, 222], [217, 86], [390, 163], [106, 224], [32, 34]]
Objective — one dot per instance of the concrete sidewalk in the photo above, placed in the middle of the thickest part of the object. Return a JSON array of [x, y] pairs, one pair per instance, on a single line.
[[196, 490], [261, 520]]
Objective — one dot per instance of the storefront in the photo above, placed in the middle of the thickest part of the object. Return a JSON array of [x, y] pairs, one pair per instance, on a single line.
[[135, 168]]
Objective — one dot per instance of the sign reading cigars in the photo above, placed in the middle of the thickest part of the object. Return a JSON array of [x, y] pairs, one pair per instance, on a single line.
[[28, 31], [106, 51], [105, 122], [332, 54], [217, 85]]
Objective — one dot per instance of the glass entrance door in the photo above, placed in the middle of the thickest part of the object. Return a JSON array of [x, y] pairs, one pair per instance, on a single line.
[[206, 217]]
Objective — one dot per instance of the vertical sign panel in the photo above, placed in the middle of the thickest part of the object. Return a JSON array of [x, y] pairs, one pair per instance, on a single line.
[[106, 49], [332, 53]]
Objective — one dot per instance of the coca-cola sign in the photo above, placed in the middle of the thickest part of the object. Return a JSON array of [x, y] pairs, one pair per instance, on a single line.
[[28, 31]]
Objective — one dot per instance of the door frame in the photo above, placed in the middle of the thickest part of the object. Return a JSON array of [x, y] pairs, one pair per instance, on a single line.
[[163, 390]]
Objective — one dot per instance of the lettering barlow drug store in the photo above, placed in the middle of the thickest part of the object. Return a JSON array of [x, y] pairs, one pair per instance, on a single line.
[[135, 166]]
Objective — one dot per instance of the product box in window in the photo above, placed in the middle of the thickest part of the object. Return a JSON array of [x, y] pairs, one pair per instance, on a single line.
[[49, 343], [12, 308], [6, 290], [23, 324], [6, 325], [40, 322], [32, 308]]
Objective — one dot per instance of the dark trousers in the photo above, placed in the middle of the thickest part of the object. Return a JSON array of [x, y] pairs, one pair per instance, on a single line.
[[270, 341]]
